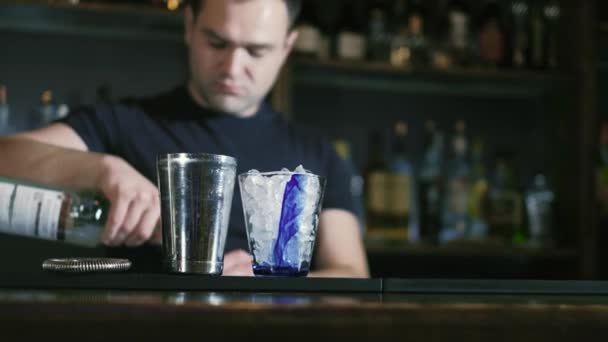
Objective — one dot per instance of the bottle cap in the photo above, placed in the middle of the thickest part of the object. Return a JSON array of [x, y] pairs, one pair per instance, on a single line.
[[86, 265]]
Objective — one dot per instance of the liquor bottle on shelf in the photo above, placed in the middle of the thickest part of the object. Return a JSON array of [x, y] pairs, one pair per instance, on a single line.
[[351, 43], [5, 113], [376, 184], [537, 36], [39, 211], [552, 12], [416, 41], [401, 185], [378, 39], [309, 36], [491, 35], [400, 54], [521, 33], [440, 54], [48, 110], [343, 149], [459, 40], [602, 172], [410, 46], [430, 185], [505, 204], [456, 220], [540, 209], [479, 191]]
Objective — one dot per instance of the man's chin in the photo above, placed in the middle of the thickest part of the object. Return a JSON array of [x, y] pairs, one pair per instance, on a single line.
[[232, 106]]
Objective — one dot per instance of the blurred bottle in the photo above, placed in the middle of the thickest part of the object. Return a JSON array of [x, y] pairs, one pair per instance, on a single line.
[[440, 53], [479, 191], [401, 185], [552, 12], [505, 204], [602, 171], [378, 37], [537, 35], [351, 43], [6, 125], [39, 211], [48, 110], [520, 14], [459, 39], [491, 35], [430, 185], [456, 221], [539, 208], [343, 149], [376, 185], [409, 46], [398, 31], [309, 36]]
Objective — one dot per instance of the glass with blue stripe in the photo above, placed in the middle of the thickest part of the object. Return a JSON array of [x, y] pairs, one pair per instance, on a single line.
[[281, 217]]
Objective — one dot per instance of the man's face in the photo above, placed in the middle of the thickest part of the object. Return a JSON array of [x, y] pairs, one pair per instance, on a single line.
[[236, 51]]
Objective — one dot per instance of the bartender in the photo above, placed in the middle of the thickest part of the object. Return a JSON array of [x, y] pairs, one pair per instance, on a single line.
[[236, 49]]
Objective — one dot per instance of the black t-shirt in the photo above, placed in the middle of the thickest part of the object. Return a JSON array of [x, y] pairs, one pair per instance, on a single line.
[[140, 129]]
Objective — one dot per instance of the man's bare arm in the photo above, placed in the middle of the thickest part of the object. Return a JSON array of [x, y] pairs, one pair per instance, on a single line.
[[53, 155], [56, 155], [340, 251]]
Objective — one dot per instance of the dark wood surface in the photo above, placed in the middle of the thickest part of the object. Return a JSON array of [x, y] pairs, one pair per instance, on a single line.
[[100, 315]]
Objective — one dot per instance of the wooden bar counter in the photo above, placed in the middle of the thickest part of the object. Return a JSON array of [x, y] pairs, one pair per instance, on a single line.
[[144, 303], [41, 304]]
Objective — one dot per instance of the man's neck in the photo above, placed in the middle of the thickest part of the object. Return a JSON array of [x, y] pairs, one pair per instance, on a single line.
[[199, 100]]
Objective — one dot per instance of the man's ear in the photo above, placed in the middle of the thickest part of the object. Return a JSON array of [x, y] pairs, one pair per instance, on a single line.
[[292, 37], [188, 24]]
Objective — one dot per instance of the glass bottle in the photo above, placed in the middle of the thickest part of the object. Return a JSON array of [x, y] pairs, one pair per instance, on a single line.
[[39, 211], [378, 38], [309, 36], [401, 185], [5, 118], [552, 12], [459, 23], [537, 36], [491, 36], [521, 41], [375, 185], [456, 221], [430, 187], [505, 204], [539, 207], [352, 42], [47, 110], [479, 191]]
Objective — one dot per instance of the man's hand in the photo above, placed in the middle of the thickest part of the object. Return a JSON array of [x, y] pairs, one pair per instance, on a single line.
[[238, 263], [135, 203]]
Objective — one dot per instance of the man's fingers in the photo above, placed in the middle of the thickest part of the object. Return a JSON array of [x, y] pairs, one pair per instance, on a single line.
[[132, 219], [116, 217], [144, 229]]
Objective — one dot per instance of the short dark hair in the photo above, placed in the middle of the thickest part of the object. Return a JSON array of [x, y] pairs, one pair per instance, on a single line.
[[293, 9]]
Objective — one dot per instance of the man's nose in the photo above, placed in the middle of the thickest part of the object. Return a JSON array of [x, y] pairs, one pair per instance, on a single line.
[[233, 62]]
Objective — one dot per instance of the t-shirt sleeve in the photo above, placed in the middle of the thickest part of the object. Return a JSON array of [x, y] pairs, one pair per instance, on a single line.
[[338, 189], [96, 126]]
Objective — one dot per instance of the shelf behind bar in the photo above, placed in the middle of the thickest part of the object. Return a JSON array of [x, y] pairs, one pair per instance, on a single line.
[[468, 82], [96, 21], [469, 249]]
